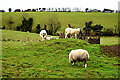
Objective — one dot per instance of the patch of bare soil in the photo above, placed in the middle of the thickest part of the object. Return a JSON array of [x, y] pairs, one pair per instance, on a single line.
[[111, 51]]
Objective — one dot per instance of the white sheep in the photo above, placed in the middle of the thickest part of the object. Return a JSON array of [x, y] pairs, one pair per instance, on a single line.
[[72, 32], [79, 55], [49, 38], [43, 34]]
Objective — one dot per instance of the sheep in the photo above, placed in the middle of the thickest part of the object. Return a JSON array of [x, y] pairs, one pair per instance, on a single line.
[[72, 32], [28, 32], [43, 34], [49, 38], [78, 55]]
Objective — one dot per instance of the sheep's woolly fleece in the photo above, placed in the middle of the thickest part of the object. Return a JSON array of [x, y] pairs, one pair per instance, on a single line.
[[78, 55]]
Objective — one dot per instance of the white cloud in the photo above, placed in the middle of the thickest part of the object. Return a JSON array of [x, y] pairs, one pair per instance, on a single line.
[[25, 4]]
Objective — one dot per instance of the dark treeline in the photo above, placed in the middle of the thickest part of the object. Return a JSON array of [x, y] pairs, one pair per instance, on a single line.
[[61, 10], [54, 25]]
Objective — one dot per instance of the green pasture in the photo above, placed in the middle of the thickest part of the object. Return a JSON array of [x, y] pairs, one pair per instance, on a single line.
[[76, 19], [109, 40], [35, 59]]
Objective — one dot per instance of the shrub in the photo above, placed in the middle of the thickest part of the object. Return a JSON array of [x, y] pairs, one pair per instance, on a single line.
[[3, 27], [18, 28], [54, 25], [27, 24], [107, 32], [38, 29]]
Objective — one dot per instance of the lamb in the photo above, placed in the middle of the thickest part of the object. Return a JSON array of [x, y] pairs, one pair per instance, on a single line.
[[78, 55], [49, 38], [72, 32], [43, 34]]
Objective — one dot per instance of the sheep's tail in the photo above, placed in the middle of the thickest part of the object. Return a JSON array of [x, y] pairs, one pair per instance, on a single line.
[[88, 55]]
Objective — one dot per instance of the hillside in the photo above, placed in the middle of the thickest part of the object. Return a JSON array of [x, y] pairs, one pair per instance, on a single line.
[[35, 59], [76, 19]]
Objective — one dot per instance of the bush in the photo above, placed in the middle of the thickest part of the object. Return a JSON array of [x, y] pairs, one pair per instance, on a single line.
[[27, 24], [3, 27], [18, 28], [108, 32], [38, 29], [54, 25]]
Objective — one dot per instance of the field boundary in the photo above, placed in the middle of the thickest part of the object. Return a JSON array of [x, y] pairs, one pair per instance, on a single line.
[[0, 47]]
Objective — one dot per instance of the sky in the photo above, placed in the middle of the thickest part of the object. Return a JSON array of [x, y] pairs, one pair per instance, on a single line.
[[82, 4]]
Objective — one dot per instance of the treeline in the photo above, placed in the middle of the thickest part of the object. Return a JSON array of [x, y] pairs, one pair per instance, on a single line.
[[26, 26], [54, 25], [61, 10], [99, 28]]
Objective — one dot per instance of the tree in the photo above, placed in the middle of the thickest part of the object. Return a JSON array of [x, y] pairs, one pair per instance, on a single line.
[[54, 25], [43, 9], [30, 22], [108, 10], [39, 9], [97, 27], [88, 27], [38, 28], [34, 10], [59, 9], [27, 24], [28, 10], [2, 11], [86, 9], [17, 10], [45, 27], [9, 9]]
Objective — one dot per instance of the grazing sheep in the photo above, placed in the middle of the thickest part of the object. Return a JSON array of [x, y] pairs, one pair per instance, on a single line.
[[79, 55], [72, 32], [43, 34]]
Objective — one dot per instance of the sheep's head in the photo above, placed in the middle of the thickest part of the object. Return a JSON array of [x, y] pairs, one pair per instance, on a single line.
[[44, 35]]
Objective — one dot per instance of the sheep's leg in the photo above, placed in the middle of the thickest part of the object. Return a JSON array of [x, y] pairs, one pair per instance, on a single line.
[[75, 36], [85, 64], [66, 35], [71, 36], [73, 63]]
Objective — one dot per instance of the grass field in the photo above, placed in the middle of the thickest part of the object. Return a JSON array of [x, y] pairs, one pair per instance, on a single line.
[[34, 59], [76, 19], [109, 40]]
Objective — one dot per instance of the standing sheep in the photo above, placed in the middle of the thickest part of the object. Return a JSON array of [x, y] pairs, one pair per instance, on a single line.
[[72, 32], [79, 55]]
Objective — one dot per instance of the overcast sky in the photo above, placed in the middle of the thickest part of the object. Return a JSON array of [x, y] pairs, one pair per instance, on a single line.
[[25, 4]]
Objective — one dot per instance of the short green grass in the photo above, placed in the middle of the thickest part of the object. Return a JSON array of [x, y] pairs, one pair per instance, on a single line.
[[76, 19], [34, 59], [109, 40]]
